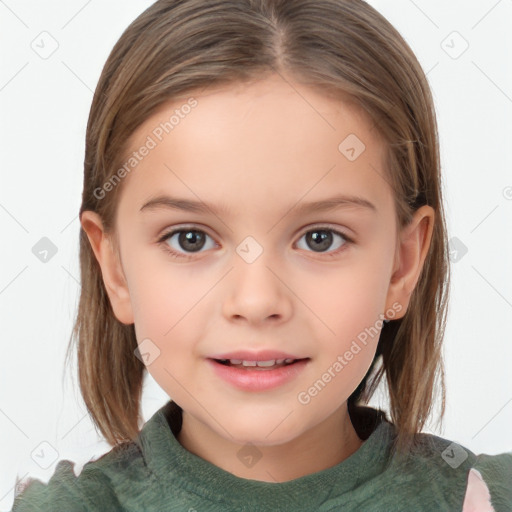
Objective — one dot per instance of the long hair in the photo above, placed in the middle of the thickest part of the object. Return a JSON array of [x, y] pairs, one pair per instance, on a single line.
[[343, 48]]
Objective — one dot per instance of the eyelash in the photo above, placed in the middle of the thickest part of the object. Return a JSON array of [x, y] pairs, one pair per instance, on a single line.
[[163, 239]]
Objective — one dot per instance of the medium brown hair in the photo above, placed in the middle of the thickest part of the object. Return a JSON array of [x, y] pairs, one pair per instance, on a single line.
[[337, 47]]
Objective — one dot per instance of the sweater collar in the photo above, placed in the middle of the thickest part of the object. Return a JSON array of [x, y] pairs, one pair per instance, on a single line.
[[174, 466]]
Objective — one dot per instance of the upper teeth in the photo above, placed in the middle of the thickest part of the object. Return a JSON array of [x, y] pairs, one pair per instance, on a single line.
[[271, 362]]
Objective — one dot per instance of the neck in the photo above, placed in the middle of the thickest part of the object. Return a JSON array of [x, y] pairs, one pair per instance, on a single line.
[[321, 447]]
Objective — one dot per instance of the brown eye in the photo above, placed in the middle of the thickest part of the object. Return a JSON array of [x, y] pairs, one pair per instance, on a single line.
[[186, 241], [319, 240], [191, 240]]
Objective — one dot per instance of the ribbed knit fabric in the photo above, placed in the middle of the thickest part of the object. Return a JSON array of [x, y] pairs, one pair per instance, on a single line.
[[157, 474]]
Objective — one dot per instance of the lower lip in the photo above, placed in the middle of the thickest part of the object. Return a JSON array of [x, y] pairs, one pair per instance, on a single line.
[[251, 379]]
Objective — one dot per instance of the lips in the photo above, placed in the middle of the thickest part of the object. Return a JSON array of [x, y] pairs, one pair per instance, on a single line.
[[248, 355], [256, 379], [257, 365]]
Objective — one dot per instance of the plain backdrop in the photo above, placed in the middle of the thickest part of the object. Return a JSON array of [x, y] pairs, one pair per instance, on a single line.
[[464, 47]]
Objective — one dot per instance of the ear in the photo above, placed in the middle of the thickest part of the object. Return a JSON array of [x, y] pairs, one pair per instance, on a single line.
[[412, 248], [111, 269]]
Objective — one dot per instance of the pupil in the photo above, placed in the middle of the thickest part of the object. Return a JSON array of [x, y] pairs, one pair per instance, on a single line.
[[322, 241], [191, 237]]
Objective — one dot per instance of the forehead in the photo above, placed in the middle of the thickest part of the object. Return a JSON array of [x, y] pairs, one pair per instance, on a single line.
[[252, 145]]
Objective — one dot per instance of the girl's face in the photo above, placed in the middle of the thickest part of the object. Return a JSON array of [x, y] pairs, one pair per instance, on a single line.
[[256, 267]]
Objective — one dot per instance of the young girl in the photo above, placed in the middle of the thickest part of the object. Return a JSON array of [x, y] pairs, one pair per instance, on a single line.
[[295, 143]]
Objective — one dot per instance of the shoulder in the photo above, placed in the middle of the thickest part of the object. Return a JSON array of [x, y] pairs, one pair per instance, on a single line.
[[490, 480], [97, 487], [456, 475]]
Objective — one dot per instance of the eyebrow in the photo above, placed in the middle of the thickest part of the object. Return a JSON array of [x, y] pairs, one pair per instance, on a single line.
[[329, 204]]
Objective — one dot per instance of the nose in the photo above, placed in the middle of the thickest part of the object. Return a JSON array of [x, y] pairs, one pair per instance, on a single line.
[[257, 293]]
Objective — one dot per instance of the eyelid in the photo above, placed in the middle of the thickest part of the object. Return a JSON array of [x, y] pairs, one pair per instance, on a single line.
[[327, 226], [178, 228], [303, 231]]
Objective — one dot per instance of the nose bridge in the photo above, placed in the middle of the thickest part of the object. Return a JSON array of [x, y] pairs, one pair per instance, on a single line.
[[257, 293]]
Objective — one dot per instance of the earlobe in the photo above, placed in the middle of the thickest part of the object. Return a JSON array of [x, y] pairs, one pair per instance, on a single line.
[[413, 245], [111, 268]]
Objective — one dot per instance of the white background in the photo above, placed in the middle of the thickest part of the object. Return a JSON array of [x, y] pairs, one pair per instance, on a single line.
[[44, 109]]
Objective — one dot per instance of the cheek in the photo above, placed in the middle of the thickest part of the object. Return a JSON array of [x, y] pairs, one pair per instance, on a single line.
[[161, 293], [169, 309], [165, 313], [348, 307], [347, 300]]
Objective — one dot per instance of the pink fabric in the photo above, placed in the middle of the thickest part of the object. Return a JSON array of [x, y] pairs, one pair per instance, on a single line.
[[477, 498]]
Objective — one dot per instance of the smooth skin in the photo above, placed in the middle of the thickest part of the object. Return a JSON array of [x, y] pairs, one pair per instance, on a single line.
[[260, 152]]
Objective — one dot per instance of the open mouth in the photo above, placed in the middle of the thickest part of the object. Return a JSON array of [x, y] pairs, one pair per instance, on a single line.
[[258, 376], [258, 365]]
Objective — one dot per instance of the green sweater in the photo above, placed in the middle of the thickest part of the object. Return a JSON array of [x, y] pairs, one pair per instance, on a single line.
[[156, 474]]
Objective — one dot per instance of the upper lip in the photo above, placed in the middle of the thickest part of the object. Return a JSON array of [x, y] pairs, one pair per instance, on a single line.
[[263, 355]]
